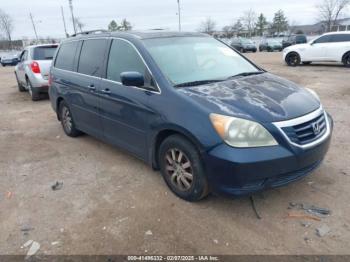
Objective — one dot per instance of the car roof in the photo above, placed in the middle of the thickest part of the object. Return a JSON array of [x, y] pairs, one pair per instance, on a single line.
[[338, 33], [138, 34], [42, 45]]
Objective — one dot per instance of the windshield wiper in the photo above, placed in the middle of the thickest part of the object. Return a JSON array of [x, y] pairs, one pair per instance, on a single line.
[[246, 74], [197, 83]]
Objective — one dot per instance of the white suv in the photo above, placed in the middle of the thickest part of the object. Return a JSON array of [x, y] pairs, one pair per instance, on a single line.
[[32, 71], [330, 47]]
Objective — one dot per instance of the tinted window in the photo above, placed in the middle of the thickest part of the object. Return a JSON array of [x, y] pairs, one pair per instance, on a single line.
[[66, 54], [300, 39], [92, 57], [124, 58], [341, 38], [44, 52], [323, 39]]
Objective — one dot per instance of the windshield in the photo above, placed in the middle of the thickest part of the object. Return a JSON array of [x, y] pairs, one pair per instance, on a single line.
[[195, 59], [44, 52], [273, 42], [247, 41]]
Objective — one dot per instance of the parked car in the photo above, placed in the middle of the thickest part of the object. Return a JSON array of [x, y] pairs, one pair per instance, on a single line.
[[32, 71], [243, 45], [270, 45], [330, 47], [187, 104], [294, 40], [9, 60]]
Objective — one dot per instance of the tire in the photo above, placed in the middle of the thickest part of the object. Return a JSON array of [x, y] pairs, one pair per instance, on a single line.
[[182, 169], [306, 63], [293, 59], [33, 93], [21, 88], [346, 60], [67, 121]]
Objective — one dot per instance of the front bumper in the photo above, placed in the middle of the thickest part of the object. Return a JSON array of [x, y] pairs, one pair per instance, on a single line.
[[235, 172], [250, 49]]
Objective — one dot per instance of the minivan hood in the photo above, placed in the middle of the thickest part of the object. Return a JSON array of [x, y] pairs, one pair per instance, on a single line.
[[265, 98]]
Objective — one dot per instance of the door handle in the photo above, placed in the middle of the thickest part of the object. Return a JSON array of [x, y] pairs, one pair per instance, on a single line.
[[92, 87], [106, 91]]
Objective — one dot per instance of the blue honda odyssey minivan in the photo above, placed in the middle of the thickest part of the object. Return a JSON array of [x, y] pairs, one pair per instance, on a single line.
[[192, 107]]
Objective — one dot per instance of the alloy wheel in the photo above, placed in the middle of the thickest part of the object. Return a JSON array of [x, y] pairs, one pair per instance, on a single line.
[[179, 168], [66, 119], [293, 59]]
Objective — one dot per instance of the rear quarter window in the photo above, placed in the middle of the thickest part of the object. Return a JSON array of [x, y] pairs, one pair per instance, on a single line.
[[66, 55], [92, 56], [44, 52]]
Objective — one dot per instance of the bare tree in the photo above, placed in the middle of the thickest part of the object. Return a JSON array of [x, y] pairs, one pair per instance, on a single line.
[[125, 25], [79, 24], [6, 25], [330, 11], [208, 26], [249, 20]]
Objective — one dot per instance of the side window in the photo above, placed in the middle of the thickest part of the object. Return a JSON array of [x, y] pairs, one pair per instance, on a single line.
[[124, 58], [341, 38], [65, 56], [323, 39], [24, 56], [92, 56]]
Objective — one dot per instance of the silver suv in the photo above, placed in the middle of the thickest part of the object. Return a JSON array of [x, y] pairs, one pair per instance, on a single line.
[[32, 71]]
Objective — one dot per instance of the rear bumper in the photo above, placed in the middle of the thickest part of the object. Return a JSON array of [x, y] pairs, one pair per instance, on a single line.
[[39, 84], [237, 172]]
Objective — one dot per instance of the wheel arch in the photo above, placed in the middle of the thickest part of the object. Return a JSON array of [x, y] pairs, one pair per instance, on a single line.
[[162, 134], [58, 102]]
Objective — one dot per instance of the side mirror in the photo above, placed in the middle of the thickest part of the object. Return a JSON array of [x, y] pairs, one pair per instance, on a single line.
[[132, 79]]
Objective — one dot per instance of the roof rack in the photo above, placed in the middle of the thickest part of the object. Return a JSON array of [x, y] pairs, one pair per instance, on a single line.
[[98, 31]]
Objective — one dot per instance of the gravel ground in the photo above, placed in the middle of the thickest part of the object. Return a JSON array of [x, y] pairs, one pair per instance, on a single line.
[[112, 203]]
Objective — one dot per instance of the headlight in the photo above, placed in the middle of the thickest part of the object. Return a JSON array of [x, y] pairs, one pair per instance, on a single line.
[[312, 92], [239, 132]]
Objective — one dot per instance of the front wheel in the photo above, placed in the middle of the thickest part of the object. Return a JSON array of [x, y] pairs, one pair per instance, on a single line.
[[67, 121], [21, 88], [182, 168], [347, 61], [293, 59]]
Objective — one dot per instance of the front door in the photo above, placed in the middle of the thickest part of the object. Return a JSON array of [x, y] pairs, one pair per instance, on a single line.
[[124, 111], [317, 49]]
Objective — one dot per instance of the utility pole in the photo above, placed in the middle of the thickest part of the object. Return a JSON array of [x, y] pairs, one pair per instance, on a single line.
[[73, 19], [64, 22], [179, 13], [31, 18]]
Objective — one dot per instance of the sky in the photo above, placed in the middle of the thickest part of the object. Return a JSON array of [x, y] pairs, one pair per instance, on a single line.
[[145, 15]]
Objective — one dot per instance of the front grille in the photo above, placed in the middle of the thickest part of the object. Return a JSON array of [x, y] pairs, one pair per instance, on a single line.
[[305, 133]]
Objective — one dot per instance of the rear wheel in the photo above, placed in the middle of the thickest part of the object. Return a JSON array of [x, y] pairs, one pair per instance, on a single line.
[[67, 121], [182, 168], [33, 93], [21, 88], [293, 59]]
